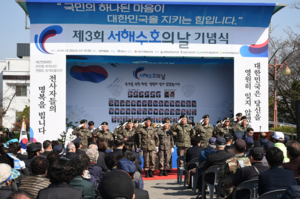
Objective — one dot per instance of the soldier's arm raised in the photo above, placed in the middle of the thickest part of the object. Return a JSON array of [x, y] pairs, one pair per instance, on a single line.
[[96, 131], [174, 127]]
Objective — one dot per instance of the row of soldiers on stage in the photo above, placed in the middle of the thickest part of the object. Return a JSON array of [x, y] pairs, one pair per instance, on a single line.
[[160, 138]]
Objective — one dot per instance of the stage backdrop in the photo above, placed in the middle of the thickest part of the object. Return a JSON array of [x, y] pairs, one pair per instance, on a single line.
[[100, 91]]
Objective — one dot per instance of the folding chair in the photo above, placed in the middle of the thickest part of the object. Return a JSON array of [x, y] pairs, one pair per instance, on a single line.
[[193, 161], [251, 185], [196, 176], [180, 170], [212, 169], [272, 194]]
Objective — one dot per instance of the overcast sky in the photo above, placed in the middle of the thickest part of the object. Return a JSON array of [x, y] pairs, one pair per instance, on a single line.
[[12, 23]]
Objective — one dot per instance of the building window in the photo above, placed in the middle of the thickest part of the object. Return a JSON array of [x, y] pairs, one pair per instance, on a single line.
[[21, 91], [17, 116]]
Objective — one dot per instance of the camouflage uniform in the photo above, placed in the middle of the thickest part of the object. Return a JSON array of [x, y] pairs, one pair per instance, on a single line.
[[205, 132], [131, 136], [229, 168], [184, 134], [148, 140], [222, 131], [239, 127], [119, 133], [107, 136], [166, 142], [84, 134]]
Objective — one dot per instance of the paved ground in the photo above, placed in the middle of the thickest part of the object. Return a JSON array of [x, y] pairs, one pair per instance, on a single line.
[[161, 189]]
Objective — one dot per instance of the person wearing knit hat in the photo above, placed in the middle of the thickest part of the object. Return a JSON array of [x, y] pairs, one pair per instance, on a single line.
[[211, 148], [7, 174]]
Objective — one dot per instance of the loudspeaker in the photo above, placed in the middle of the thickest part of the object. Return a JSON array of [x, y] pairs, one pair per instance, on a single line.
[[298, 117]]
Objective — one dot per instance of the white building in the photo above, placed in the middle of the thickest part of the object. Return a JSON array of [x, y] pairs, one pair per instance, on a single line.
[[15, 85]]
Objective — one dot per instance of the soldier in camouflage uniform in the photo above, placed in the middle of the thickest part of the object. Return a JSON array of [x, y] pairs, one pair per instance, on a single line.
[[234, 123], [225, 128], [205, 131], [243, 126], [103, 132], [83, 133], [184, 132], [228, 169], [119, 132], [149, 144], [129, 134], [166, 142]]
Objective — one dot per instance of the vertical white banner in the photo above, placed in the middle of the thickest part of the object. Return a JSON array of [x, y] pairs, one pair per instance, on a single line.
[[251, 91], [48, 96]]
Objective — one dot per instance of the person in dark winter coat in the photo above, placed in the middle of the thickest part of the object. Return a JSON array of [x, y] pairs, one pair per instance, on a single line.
[[94, 170], [209, 150], [292, 192], [102, 146], [276, 177], [61, 173], [7, 174]]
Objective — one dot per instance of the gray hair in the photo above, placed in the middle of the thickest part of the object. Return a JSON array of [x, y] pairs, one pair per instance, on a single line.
[[93, 146], [93, 154], [70, 146]]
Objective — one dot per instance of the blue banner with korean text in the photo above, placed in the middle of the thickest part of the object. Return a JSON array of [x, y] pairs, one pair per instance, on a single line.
[[232, 15]]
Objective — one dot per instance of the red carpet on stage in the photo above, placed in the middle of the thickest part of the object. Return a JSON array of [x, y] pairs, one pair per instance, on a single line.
[[172, 175]]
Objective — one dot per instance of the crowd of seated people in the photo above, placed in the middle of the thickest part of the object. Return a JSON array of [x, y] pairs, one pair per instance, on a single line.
[[48, 170]]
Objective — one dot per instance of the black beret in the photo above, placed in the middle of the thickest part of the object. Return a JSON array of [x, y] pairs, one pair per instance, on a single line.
[[104, 123], [205, 116], [238, 114], [226, 118], [83, 121], [183, 116], [244, 118], [136, 121], [147, 118]]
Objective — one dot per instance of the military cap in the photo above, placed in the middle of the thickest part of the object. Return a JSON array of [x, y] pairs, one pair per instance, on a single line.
[[104, 123], [238, 114], [205, 116], [59, 149], [76, 141], [129, 121], [33, 147], [228, 137], [226, 119], [212, 141], [83, 121], [220, 141], [244, 118], [136, 121], [146, 119], [166, 120], [239, 143], [256, 151], [183, 116], [219, 121]]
